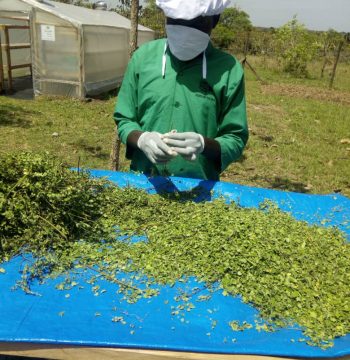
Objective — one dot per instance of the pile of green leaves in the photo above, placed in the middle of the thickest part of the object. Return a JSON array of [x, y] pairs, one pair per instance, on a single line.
[[45, 207], [292, 272]]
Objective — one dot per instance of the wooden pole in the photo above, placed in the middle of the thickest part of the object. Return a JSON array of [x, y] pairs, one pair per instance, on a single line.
[[7, 46], [245, 50], [8, 56], [244, 61], [255, 73], [115, 153], [340, 46], [246, 44], [134, 18], [2, 78], [325, 60]]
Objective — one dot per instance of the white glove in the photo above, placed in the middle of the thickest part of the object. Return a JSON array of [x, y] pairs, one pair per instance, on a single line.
[[188, 144], [154, 148]]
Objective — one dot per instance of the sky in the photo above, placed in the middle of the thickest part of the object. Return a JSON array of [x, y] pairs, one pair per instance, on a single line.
[[314, 14]]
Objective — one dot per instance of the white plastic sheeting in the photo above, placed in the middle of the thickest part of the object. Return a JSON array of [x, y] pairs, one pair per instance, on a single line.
[[75, 51], [17, 36]]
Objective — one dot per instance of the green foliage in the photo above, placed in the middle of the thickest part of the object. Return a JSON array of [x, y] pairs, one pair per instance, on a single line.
[[83, 3], [236, 19], [152, 17], [261, 42], [123, 8], [44, 206], [236, 326], [149, 15], [330, 40], [232, 28], [290, 271], [295, 47], [223, 36], [286, 268]]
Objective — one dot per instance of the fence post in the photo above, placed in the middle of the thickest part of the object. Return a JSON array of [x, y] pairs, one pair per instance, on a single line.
[[115, 153], [340, 46], [325, 60], [245, 62]]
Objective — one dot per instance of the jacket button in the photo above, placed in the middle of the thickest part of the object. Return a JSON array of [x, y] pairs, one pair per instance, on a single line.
[[177, 104]]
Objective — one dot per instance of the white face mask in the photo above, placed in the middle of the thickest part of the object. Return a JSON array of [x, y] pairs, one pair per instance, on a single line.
[[185, 42]]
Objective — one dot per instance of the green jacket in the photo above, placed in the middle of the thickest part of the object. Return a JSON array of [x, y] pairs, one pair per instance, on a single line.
[[183, 101]]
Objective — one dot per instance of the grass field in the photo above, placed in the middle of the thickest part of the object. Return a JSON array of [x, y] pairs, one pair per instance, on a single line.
[[299, 131]]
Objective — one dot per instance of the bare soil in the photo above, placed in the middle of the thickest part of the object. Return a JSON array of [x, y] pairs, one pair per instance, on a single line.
[[308, 92]]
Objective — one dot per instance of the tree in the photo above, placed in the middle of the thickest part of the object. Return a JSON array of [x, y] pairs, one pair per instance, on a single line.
[[84, 3], [223, 36], [236, 19], [134, 18], [295, 47], [261, 42], [153, 18], [124, 8], [233, 27]]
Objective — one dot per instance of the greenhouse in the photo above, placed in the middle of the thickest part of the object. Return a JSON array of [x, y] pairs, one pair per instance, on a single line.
[[69, 50]]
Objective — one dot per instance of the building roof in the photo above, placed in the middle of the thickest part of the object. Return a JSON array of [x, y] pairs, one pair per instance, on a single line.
[[111, 4], [76, 15]]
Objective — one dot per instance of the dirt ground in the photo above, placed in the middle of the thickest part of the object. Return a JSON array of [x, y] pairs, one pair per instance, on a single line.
[[307, 92]]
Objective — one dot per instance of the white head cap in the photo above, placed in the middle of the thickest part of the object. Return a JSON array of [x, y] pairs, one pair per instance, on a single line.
[[190, 9]]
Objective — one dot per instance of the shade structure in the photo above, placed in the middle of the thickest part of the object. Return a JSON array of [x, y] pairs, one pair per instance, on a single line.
[[75, 51]]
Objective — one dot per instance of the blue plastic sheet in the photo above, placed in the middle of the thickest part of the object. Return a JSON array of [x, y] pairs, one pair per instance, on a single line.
[[79, 317]]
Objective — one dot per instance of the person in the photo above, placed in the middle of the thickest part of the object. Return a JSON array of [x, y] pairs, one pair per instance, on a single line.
[[181, 108]]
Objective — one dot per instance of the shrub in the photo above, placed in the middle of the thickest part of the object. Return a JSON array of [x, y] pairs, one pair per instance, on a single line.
[[295, 47]]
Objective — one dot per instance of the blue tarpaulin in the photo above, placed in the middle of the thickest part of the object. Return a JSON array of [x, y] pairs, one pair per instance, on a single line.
[[80, 316]]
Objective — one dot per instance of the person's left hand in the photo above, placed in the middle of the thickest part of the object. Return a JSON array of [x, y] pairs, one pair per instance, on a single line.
[[188, 144]]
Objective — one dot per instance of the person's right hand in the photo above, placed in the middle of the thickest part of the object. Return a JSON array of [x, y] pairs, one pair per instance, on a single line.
[[154, 147], [187, 144]]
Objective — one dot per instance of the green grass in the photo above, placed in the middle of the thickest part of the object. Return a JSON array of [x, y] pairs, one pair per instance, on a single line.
[[270, 71], [79, 132], [296, 128], [295, 141]]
